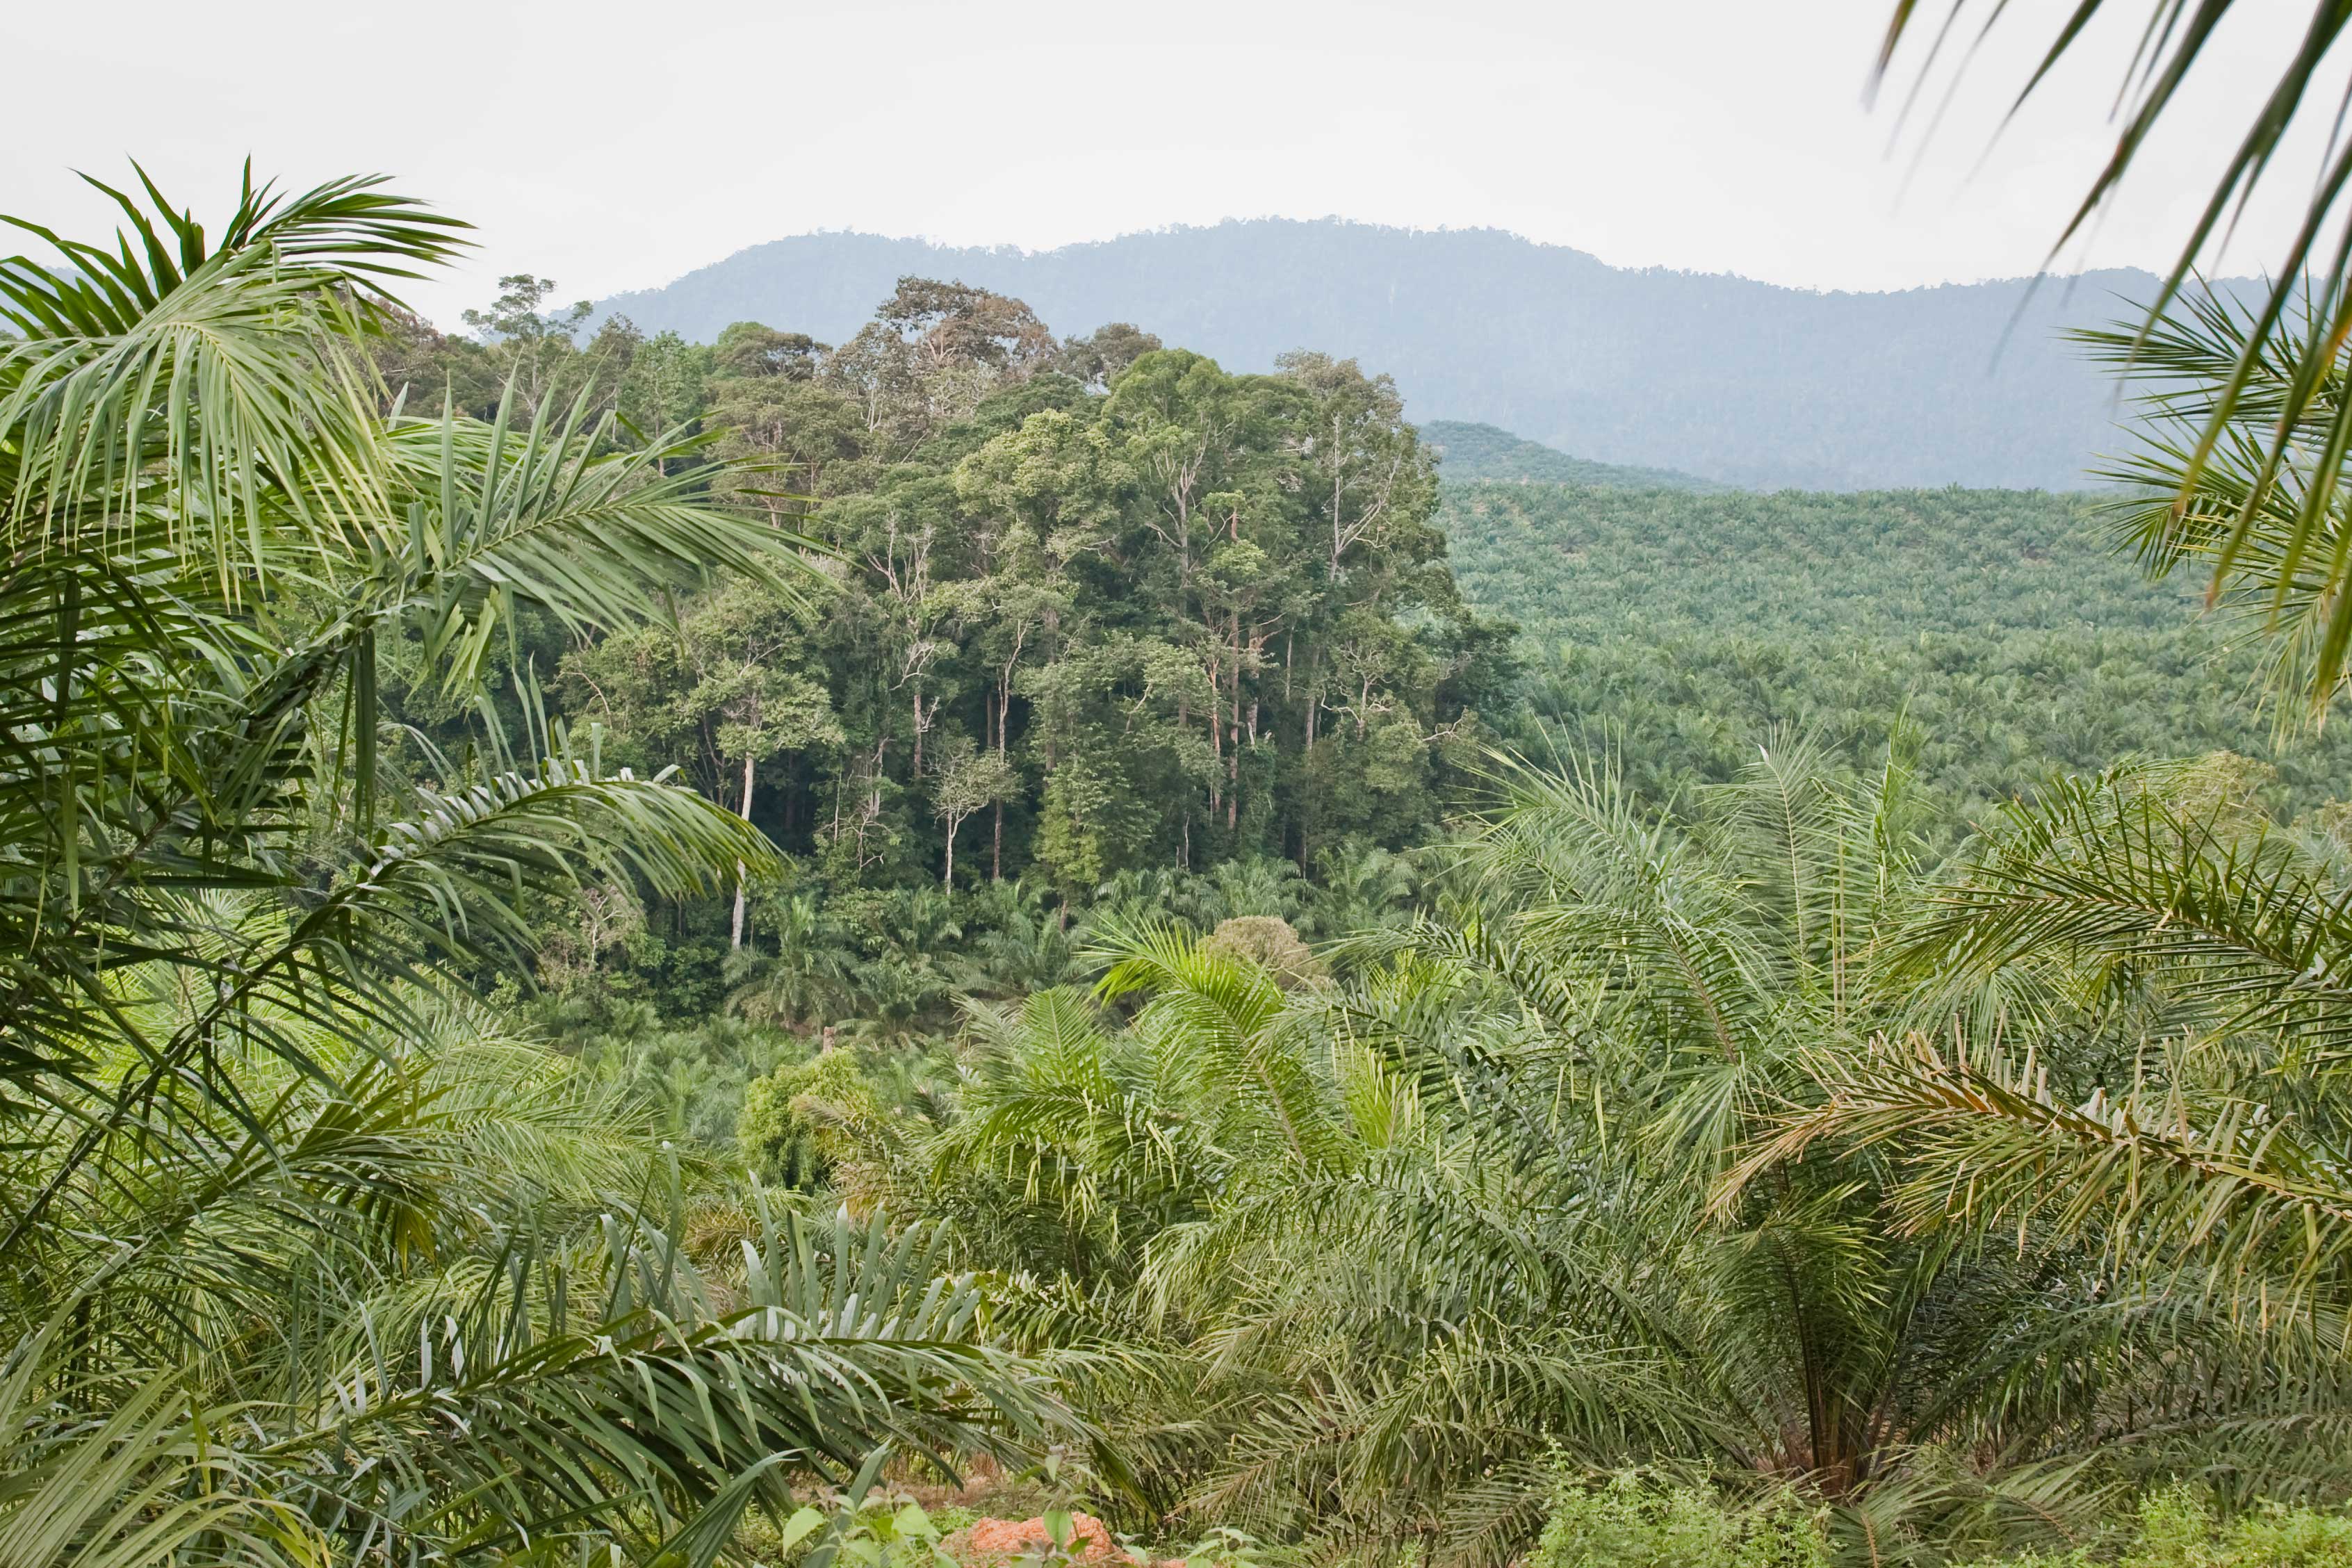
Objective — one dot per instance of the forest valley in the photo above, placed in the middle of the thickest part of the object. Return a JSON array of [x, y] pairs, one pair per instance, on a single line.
[[622, 950]]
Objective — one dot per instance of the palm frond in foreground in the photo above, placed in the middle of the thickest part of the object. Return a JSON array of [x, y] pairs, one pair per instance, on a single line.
[[301, 1263]]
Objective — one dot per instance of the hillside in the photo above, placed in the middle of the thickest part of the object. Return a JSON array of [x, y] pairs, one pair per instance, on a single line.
[[1743, 382], [1480, 454], [1995, 626]]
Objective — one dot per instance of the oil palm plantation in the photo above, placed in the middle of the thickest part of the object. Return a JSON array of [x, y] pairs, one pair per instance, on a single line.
[[1622, 1009], [297, 1261]]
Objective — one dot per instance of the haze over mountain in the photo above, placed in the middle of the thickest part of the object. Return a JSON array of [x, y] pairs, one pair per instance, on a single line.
[[1745, 383]]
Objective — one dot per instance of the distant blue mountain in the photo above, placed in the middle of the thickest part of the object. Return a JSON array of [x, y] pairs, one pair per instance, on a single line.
[[1745, 383]]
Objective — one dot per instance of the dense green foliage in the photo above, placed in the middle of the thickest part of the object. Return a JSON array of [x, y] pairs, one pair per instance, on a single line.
[[1641, 1523], [1585, 1160], [1609, 1160], [1089, 611], [1994, 637], [1196, 618]]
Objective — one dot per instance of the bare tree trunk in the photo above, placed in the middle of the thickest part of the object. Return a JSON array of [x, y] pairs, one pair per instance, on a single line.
[[1338, 490], [740, 873], [1233, 757], [996, 832], [1216, 737], [1307, 771]]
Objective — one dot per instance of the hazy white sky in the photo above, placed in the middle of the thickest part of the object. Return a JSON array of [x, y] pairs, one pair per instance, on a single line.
[[615, 145]]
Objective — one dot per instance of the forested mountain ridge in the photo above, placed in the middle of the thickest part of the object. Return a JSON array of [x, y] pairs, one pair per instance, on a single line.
[[1746, 383]]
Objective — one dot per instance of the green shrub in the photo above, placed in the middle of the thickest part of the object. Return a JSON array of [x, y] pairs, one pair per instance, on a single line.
[[1639, 1522], [2287, 1538], [1268, 942], [878, 1528], [1635, 1521], [2178, 1530], [784, 1132]]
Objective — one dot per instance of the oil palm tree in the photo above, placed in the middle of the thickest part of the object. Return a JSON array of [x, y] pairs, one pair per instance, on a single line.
[[2215, 386], [2172, 964], [442, 1304], [1022, 943], [209, 526], [2175, 1105], [806, 979], [1615, 1006]]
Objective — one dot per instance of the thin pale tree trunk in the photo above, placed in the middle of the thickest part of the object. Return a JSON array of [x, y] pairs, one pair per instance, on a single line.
[[996, 833], [741, 873], [1234, 756]]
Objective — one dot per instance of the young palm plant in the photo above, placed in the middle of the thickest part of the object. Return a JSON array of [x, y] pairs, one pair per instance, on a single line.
[[442, 1305], [1655, 994], [2177, 1107], [2168, 968]]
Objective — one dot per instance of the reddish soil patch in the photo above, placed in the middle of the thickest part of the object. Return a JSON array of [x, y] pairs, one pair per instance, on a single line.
[[991, 1541]]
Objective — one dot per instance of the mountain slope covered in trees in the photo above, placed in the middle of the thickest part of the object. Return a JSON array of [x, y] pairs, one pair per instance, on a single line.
[[1742, 381]]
